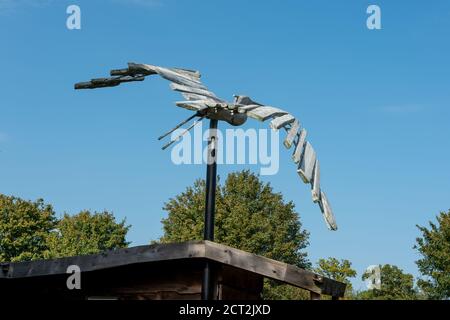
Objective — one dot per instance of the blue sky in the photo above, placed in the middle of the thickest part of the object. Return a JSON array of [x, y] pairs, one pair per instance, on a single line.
[[375, 104]]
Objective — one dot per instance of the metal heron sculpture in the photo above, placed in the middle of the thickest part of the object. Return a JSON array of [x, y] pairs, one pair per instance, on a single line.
[[205, 104]]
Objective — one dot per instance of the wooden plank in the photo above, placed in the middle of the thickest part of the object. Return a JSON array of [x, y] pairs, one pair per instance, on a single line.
[[265, 112], [168, 74], [291, 134], [178, 78], [300, 146], [306, 167], [107, 259], [327, 212], [183, 75], [279, 122], [192, 96], [302, 278], [269, 268], [333, 288], [245, 260], [249, 107], [196, 91], [192, 74], [315, 183], [195, 105]]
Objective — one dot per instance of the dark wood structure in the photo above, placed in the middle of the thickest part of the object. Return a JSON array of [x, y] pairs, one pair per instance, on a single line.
[[161, 271]]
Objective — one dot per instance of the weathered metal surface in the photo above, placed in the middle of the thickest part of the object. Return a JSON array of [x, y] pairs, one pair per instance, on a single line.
[[193, 74], [265, 112], [315, 183], [247, 108], [192, 96], [327, 212], [196, 105], [169, 74], [291, 134], [306, 167], [207, 104], [300, 146], [280, 122], [199, 92], [244, 100]]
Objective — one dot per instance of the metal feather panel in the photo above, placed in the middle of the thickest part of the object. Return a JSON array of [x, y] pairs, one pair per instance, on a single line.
[[291, 134], [197, 105], [315, 183], [195, 91], [306, 167], [247, 108], [300, 146], [265, 112], [327, 212], [173, 75], [279, 122]]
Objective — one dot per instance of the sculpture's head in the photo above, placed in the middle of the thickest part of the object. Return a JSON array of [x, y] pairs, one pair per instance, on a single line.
[[243, 100]]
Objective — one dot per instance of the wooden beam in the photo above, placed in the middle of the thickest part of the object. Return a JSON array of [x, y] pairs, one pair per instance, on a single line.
[[274, 269], [181, 251]]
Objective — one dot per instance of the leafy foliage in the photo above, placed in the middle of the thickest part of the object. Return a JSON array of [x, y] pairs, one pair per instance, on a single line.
[[395, 285], [86, 233], [30, 231], [339, 270], [24, 226], [434, 245], [275, 291], [249, 216]]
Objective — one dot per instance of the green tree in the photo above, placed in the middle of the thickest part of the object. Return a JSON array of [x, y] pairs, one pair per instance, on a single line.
[[30, 231], [24, 226], [275, 291], [434, 246], [339, 270], [395, 285], [86, 233], [249, 216]]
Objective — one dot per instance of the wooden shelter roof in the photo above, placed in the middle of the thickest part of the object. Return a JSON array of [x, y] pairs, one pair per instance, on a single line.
[[177, 252]]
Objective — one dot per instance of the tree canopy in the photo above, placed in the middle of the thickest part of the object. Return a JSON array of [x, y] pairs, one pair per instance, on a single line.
[[339, 270], [86, 233], [30, 231], [434, 246], [249, 216], [24, 227], [395, 285]]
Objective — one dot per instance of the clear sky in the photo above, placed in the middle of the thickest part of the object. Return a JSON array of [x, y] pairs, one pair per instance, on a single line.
[[375, 103]]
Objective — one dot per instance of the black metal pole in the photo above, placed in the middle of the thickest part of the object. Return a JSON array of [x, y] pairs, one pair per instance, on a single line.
[[210, 204]]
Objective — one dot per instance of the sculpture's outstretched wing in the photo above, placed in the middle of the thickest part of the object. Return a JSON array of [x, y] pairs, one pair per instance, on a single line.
[[187, 82], [303, 154]]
